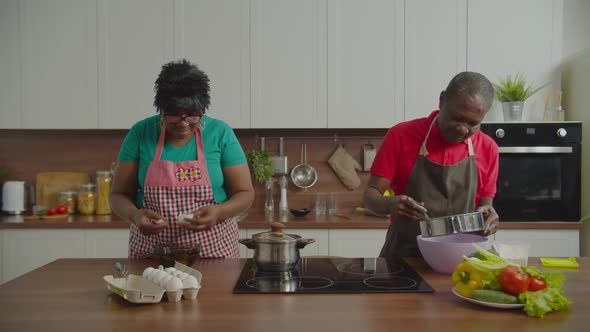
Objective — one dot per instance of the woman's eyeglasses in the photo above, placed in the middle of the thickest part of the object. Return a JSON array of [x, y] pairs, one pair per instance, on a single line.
[[190, 118]]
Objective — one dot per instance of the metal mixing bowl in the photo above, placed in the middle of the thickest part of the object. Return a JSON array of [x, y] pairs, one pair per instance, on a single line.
[[459, 223]]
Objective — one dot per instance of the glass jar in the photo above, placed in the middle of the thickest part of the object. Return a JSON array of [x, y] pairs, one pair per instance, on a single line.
[[87, 199], [103, 190], [68, 198]]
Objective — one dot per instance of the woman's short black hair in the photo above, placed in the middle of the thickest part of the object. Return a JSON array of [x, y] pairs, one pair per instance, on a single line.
[[181, 85]]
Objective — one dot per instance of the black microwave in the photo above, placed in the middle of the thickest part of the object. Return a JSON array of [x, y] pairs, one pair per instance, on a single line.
[[540, 170]]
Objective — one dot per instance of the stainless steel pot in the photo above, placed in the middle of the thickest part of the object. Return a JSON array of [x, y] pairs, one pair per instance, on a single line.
[[275, 251], [460, 223]]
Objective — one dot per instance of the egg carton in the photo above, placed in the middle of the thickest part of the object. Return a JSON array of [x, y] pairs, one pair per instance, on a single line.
[[137, 289]]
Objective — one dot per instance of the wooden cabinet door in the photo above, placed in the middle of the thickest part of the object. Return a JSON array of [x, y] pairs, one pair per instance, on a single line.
[[59, 64], [365, 63], [215, 35], [435, 48], [508, 37], [288, 51], [135, 38]]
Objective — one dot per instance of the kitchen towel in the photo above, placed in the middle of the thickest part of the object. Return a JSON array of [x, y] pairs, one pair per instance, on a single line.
[[345, 167]]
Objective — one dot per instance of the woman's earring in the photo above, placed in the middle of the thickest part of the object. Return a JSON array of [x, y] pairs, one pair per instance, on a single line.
[[161, 121]]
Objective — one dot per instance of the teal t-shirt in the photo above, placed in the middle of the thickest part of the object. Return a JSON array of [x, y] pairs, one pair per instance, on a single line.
[[221, 145]]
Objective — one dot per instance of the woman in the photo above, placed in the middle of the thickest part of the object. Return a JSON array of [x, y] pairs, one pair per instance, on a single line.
[[182, 162]]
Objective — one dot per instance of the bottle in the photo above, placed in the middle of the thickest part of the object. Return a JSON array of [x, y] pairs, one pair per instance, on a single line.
[[68, 198], [87, 199], [283, 182], [103, 190], [269, 203]]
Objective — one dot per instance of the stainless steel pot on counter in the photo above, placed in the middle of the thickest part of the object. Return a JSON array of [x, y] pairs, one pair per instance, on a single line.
[[275, 251]]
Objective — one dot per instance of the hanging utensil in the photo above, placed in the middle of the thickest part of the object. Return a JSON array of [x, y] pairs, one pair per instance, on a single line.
[[304, 175]]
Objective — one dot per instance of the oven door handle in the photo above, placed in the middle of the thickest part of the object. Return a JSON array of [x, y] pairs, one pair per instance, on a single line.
[[535, 149]]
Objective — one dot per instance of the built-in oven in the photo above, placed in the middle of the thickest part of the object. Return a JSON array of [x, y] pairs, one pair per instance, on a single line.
[[540, 170]]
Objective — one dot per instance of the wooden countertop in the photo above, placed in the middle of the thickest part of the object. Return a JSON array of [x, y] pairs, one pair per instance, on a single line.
[[257, 219], [69, 294]]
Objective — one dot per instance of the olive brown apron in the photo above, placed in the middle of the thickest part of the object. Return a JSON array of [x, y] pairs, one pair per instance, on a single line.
[[444, 189]]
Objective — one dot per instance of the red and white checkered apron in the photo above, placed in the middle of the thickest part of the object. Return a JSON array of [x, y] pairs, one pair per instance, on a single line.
[[174, 188]]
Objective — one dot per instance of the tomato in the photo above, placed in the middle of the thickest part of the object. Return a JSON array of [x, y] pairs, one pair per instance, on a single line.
[[61, 209], [51, 212], [514, 280], [536, 284]]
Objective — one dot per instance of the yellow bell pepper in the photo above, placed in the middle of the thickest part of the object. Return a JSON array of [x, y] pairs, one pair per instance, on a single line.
[[466, 279]]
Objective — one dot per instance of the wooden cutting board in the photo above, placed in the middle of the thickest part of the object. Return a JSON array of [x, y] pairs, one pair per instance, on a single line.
[[49, 184]]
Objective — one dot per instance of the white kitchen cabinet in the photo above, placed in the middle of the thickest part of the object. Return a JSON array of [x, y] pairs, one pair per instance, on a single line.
[[10, 79], [244, 252], [435, 51], [106, 243], [58, 64], [508, 37], [544, 242], [130, 56], [26, 250], [319, 248], [215, 35], [288, 54], [365, 63], [356, 242]]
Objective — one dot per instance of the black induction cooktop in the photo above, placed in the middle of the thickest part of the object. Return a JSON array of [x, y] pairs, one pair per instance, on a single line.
[[334, 275]]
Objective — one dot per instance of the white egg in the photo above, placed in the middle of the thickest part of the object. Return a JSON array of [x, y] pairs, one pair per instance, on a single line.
[[164, 280], [146, 272], [169, 270], [190, 282], [152, 275], [161, 268], [173, 284], [183, 276]]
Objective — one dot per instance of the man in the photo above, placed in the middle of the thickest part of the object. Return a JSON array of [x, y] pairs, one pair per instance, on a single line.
[[437, 166]]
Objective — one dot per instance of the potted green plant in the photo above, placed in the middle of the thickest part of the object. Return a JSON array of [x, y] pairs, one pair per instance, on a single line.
[[261, 166], [512, 92]]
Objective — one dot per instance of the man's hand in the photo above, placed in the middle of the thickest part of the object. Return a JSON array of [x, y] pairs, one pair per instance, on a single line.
[[408, 207], [203, 218], [149, 222], [491, 218]]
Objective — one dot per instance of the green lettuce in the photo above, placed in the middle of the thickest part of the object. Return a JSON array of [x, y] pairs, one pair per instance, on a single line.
[[553, 279], [537, 304]]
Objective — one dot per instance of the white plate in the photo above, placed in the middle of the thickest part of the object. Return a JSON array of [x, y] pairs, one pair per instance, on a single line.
[[488, 304]]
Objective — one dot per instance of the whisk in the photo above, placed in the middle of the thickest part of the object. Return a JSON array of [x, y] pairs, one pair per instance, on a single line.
[[120, 270]]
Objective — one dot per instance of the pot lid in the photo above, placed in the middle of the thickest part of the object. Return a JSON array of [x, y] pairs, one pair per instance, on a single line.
[[275, 235]]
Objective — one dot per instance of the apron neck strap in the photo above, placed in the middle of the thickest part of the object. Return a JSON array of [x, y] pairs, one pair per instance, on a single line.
[[160, 146], [423, 150]]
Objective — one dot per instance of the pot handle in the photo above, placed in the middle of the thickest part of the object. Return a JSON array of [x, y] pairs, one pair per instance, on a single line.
[[303, 242], [247, 242]]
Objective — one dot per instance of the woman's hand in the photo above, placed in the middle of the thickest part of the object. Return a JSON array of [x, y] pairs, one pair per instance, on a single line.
[[491, 218], [203, 218], [149, 222], [408, 207]]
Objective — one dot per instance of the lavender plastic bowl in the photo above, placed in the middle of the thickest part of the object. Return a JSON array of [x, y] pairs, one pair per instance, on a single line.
[[443, 253]]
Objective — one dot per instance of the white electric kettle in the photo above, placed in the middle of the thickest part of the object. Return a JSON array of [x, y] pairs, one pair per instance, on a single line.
[[14, 196]]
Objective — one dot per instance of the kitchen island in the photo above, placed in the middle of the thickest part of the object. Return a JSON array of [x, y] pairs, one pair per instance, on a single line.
[[69, 294]]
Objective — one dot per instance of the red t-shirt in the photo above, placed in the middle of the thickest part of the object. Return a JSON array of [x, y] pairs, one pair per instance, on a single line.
[[397, 155]]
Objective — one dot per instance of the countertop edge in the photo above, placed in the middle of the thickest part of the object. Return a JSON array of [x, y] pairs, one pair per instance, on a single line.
[[255, 220]]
